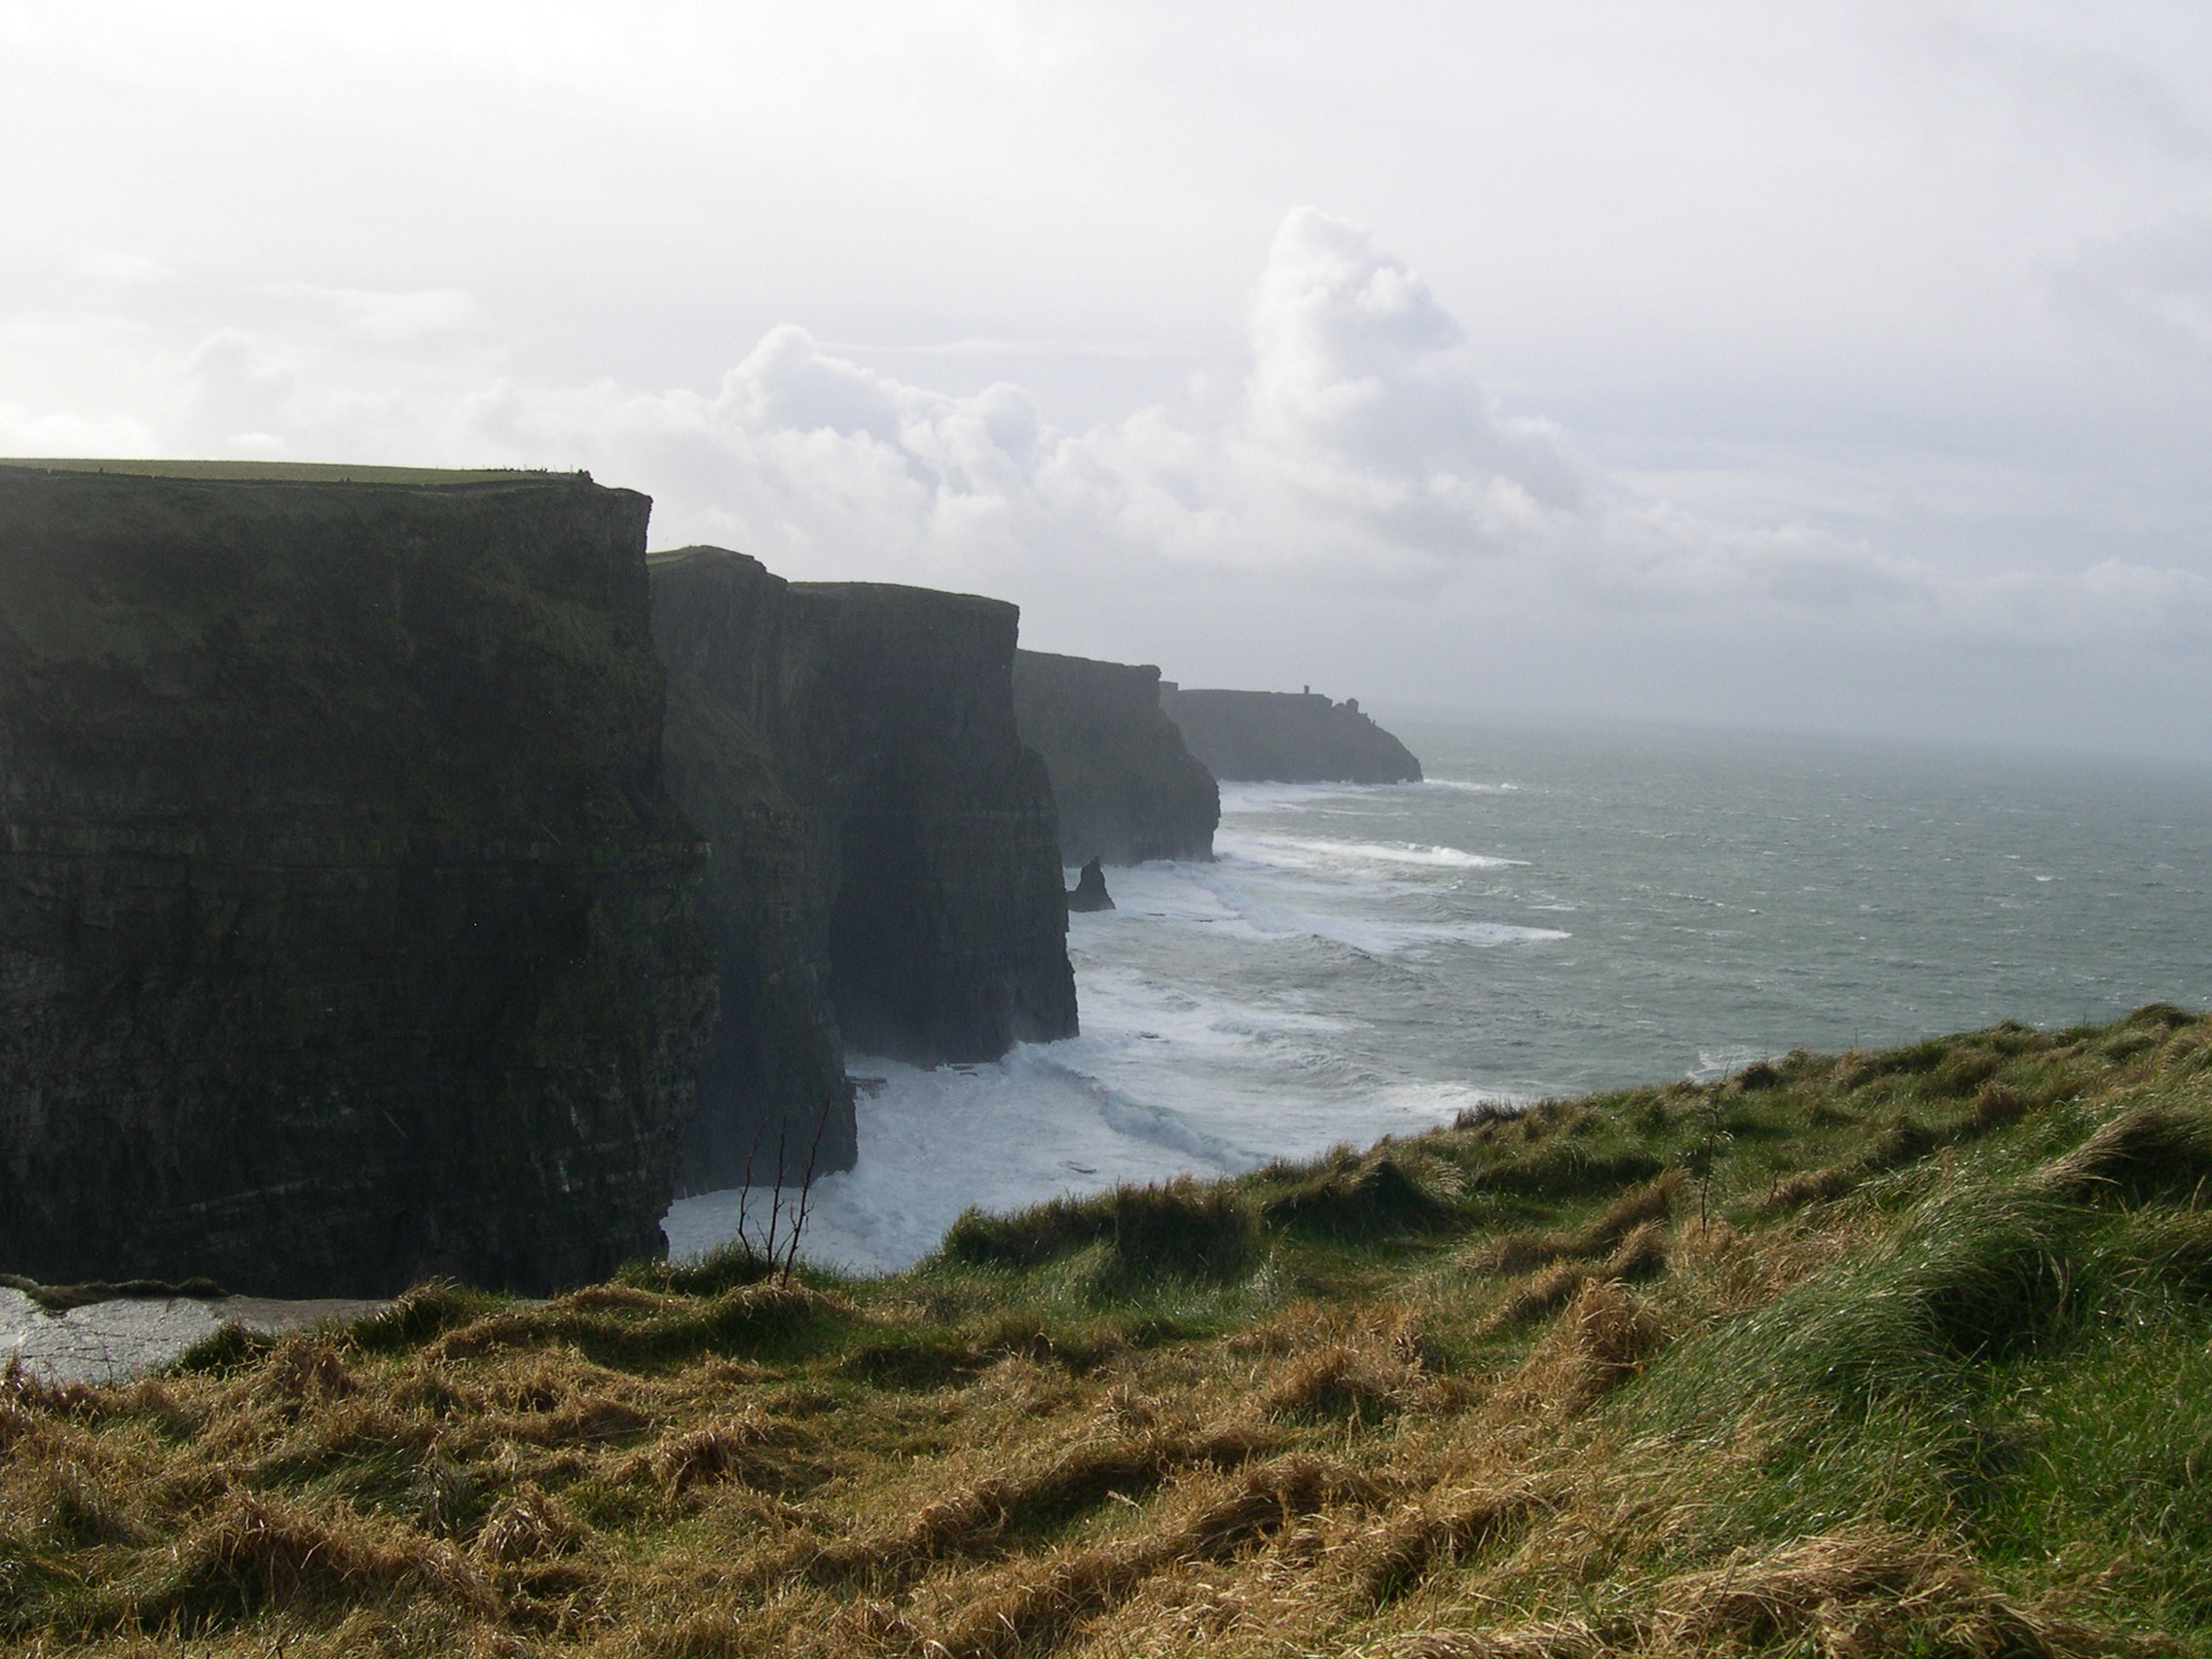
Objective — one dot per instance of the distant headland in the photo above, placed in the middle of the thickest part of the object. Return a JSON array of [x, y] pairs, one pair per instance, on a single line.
[[1286, 737]]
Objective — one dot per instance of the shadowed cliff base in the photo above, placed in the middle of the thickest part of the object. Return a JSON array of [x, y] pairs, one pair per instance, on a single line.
[[1125, 787], [886, 872], [344, 918], [1286, 737]]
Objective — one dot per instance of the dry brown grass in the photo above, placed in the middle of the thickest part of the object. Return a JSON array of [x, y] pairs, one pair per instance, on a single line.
[[1408, 1442], [1635, 1210]]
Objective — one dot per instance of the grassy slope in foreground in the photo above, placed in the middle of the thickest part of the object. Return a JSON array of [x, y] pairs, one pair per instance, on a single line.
[[1891, 1352]]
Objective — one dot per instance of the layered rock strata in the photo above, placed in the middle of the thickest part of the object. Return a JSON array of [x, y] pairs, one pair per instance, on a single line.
[[344, 917], [1125, 787], [860, 737], [1286, 737]]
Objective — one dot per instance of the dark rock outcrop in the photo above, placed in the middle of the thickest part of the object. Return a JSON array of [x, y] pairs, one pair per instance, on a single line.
[[862, 736], [1090, 890], [345, 921], [1125, 786], [1286, 737]]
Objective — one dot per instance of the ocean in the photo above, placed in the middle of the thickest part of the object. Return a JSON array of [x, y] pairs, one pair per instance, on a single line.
[[1556, 909]]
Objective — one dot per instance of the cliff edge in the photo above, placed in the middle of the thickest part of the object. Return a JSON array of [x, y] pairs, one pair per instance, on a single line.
[[344, 915], [865, 738], [1125, 786], [1286, 737]]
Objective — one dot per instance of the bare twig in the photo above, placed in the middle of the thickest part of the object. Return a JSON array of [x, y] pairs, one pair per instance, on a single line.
[[806, 1183], [776, 1197], [745, 1190]]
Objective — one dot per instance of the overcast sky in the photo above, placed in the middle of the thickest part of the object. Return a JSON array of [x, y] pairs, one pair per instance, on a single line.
[[1822, 365]]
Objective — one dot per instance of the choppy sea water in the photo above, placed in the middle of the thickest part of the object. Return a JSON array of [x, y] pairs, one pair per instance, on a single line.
[[1554, 911]]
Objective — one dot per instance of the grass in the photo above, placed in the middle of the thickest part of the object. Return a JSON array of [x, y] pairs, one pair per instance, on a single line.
[[285, 472], [1906, 1351]]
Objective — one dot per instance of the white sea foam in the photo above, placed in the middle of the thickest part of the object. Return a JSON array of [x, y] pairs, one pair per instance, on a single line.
[[1302, 853], [1169, 1078], [1038, 1125], [1248, 898], [935, 1142], [1215, 1037], [1716, 1065], [1324, 982]]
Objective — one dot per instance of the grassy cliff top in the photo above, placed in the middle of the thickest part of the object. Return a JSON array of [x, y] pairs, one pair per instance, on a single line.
[[294, 472], [1908, 1351]]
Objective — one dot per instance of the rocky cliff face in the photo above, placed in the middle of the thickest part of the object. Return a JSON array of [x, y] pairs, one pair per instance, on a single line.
[[875, 725], [1286, 737], [1125, 786], [344, 918], [772, 1077]]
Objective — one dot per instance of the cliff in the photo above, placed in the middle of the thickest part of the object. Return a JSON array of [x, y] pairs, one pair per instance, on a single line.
[[867, 737], [1286, 737], [344, 915], [1125, 787]]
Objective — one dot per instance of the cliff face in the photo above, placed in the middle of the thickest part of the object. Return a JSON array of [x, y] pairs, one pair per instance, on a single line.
[[949, 924], [1286, 737], [1125, 786], [876, 726], [772, 1076], [773, 1097], [344, 918]]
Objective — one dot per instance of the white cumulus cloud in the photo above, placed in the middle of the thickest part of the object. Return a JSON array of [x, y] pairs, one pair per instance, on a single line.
[[1360, 452]]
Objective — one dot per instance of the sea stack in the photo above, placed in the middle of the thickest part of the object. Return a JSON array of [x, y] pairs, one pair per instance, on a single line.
[[1125, 787], [1089, 892], [1286, 737], [345, 916], [864, 735]]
